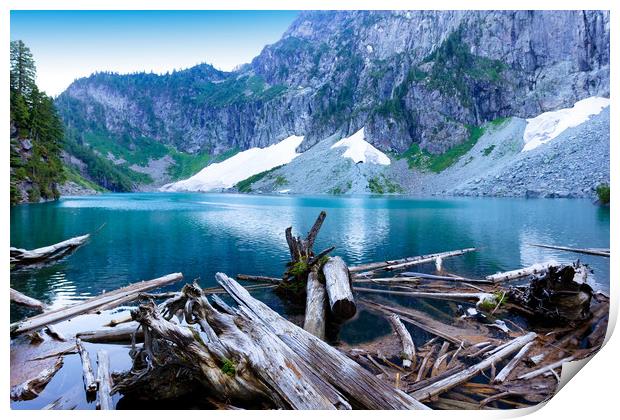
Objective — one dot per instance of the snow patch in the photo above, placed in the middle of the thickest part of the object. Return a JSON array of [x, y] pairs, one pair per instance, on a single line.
[[241, 166], [359, 150], [549, 125]]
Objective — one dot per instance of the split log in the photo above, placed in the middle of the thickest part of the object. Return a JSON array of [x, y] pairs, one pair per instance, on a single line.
[[589, 251], [407, 262], [361, 388], [503, 374], [450, 382], [338, 286], [22, 299], [316, 305], [115, 298], [22, 257], [104, 381], [31, 388], [408, 353], [522, 272], [90, 384], [112, 335]]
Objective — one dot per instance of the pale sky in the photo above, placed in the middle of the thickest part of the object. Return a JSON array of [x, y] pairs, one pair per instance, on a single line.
[[67, 45]]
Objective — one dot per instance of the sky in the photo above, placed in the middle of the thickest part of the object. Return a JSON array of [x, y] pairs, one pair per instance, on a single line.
[[67, 45]]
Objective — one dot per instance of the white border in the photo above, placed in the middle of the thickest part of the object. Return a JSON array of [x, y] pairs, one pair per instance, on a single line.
[[592, 394]]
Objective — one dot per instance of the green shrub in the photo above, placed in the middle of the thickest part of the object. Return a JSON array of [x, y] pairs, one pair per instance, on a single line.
[[603, 193]]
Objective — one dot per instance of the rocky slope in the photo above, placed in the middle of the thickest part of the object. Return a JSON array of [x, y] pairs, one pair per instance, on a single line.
[[419, 77]]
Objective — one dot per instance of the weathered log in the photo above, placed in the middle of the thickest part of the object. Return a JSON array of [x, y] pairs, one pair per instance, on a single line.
[[602, 252], [407, 262], [450, 382], [239, 358], [444, 278], [546, 368], [22, 299], [112, 335], [478, 297], [54, 333], [90, 384], [22, 257], [316, 306], [31, 388], [408, 354], [361, 388], [260, 279], [115, 298], [503, 374], [522, 272], [338, 286], [104, 381]]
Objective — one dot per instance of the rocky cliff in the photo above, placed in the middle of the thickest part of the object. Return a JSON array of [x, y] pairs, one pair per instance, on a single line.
[[423, 78]]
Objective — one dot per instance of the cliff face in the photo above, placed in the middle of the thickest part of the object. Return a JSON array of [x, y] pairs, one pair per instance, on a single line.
[[425, 77]]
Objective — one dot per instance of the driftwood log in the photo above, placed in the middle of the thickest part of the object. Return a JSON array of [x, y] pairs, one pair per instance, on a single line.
[[522, 272], [316, 305], [22, 299], [33, 387], [405, 262], [22, 257], [408, 353], [104, 381], [601, 252], [90, 384], [338, 286], [108, 300]]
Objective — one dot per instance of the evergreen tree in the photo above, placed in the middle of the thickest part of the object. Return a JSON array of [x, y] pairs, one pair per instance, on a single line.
[[23, 69]]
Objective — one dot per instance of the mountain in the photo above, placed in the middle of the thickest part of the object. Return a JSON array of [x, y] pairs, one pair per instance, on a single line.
[[415, 81]]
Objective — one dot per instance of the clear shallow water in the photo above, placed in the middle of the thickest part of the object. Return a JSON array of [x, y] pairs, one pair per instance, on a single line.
[[147, 235]]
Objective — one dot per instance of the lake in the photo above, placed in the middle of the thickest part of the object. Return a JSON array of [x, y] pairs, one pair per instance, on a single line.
[[141, 236]]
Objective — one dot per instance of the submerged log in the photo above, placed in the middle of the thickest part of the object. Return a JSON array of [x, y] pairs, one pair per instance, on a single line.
[[110, 299], [260, 279], [31, 388], [90, 384], [22, 257], [522, 272], [407, 262], [361, 388], [338, 286], [450, 382], [408, 353], [316, 306], [602, 252], [112, 335], [104, 381], [22, 299]]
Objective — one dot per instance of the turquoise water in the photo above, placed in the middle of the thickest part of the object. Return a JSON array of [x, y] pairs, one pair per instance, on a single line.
[[147, 235]]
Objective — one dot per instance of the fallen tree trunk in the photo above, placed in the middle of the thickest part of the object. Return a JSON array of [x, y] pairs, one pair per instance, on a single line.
[[110, 299], [237, 358], [316, 305], [503, 374], [338, 286], [260, 279], [450, 382], [522, 272], [478, 297], [588, 251], [33, 387], [408, 353], [361, 388], [22, 299], [104, 381], [406, 262], [112, 335], [90, 384], [22, 257]]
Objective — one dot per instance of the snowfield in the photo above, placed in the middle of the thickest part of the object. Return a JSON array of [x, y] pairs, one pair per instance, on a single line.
[[549, 125], [241, 166], [359, 150]]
